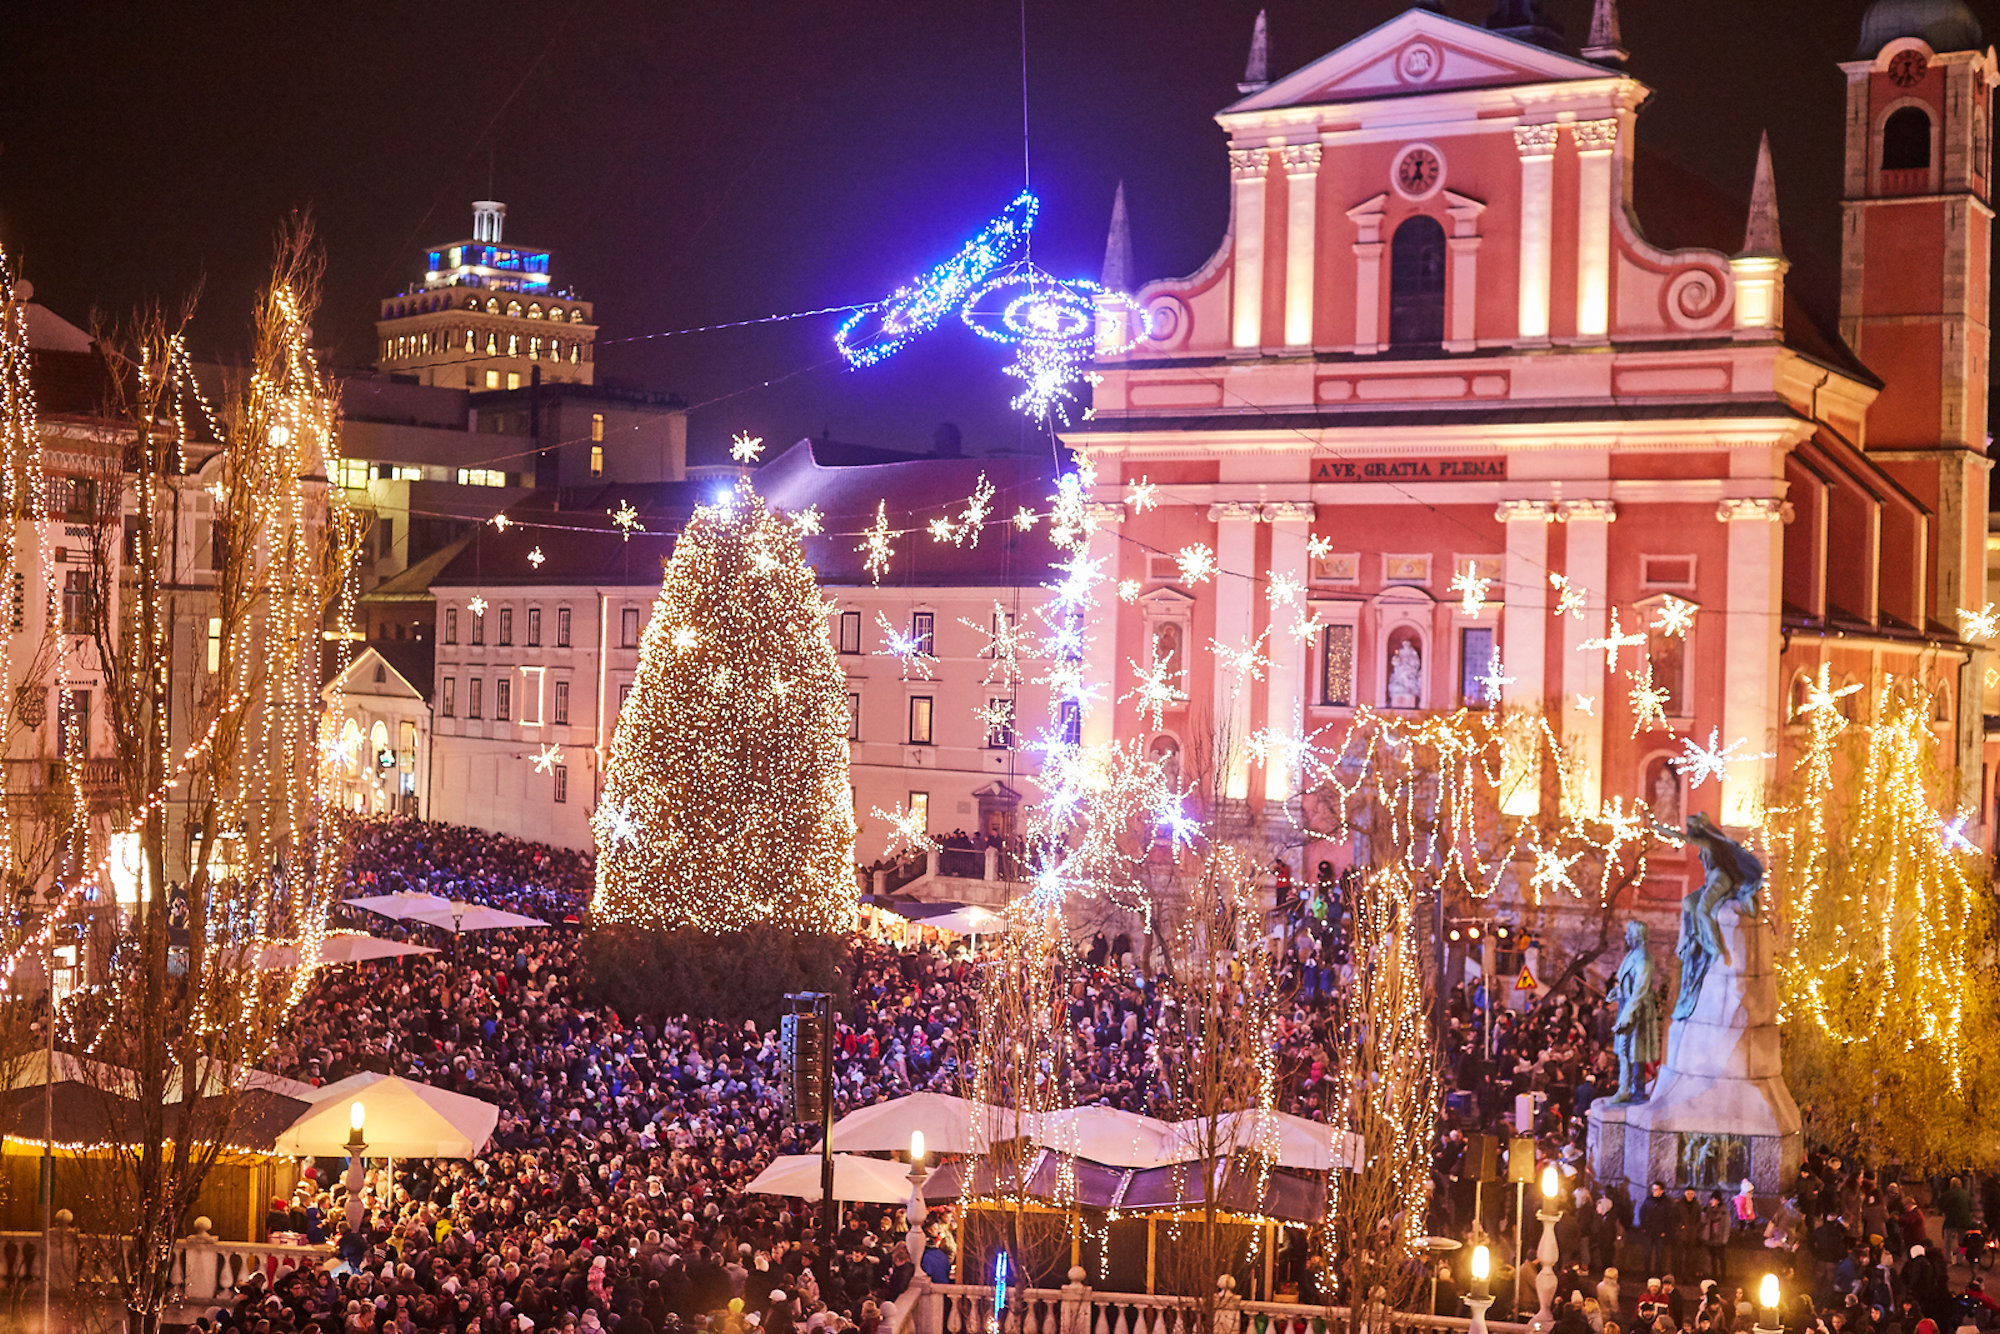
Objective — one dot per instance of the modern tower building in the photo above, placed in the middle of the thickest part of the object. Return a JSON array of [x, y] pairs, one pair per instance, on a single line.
[[487, 316]]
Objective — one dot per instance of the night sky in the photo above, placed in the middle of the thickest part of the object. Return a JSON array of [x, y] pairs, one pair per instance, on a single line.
[[699, 163]]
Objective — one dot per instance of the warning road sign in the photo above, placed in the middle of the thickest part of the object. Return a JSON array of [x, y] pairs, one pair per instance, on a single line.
[[1526, 982]]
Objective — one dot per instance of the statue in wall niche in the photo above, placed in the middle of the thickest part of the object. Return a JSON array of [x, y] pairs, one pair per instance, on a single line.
[[1732, 872], [1635, 1035], [1406, 670]]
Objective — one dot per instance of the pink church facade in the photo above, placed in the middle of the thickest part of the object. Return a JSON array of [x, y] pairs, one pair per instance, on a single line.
[[1437, 346]]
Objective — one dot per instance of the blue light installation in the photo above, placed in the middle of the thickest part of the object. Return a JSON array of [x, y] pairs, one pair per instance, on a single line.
[[1055, 326], [876, 333], [1000, 1286]]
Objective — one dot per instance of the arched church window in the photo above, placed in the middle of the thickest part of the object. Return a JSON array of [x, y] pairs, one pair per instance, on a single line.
[[1416, 284], [1906, 140]]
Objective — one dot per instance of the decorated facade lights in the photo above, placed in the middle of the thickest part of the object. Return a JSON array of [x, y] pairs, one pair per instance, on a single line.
[[626, 520], [909, 649], [1471, 589], [1197, 563], [547, 758], [1142, 495], [875, 543], [1674, 617], [746, 448], [1698, 763], [1569, 598]]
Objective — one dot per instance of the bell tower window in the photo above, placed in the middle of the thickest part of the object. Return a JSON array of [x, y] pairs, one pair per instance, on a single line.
[[1906, 141], [1416, 284]]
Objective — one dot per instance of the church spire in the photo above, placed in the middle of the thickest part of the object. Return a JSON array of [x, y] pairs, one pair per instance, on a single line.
[[1607, 43], [1257, 70], [1117, 275], [1761, 236]]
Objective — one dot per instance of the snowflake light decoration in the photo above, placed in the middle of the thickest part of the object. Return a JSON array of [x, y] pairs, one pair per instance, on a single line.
[[1284, 590], [906, 830], [1552, 870], [535, 558], [875, 542], [1248, 660], [626, 519], [547, 758], [1980, 626], [1649, 703], [615, 823], [1197, 564], [1024, 519], [808, 521], [1141, 495], [1055, 327], [1158, 689], [907, 649], [1674, 617], [1700, 763], [1494, 680], [746, 448], [1611, 642], [1471, 590], [1129, 590], [501, 522], [1586, 705], [477, 606], [1319, 548], [1569, 598]]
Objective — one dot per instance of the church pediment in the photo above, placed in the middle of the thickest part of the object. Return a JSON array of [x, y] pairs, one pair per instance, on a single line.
[[1417, 52]]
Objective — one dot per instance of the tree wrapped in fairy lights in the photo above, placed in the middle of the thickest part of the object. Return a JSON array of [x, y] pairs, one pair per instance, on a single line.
[[726, 801], [1888, 993]]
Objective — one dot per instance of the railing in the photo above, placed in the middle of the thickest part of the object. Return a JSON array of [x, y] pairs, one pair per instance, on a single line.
[[206, 1268], [1075, 1308]]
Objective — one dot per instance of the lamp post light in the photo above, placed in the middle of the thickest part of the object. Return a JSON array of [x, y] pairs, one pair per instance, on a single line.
[[1767, 1306], [918, 1210], [1481, 1298], [357, 1152], [1546, 1254]]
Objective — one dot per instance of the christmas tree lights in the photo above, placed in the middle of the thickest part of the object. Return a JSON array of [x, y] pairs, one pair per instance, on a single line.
[[730, 758]]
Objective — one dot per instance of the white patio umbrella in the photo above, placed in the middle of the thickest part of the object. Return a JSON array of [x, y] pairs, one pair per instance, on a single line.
[[971, 920], [856, 1179], [338, 947], [453, 915], [403, 1119], [1109, 1136], [950, 1125]]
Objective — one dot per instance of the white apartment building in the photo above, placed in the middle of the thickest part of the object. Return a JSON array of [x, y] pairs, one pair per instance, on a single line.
[[551, 660]]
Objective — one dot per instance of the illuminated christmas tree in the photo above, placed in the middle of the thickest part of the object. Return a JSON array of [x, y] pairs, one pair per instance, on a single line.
[[726, 801]]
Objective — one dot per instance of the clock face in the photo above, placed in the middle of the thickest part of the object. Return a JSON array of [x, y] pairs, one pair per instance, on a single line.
[[1908, 69], [1417, 172]]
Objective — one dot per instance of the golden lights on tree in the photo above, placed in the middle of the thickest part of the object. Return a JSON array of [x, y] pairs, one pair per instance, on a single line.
[[730, 758]]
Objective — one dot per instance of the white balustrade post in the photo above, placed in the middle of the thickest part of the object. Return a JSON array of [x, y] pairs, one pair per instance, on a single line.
[[199, 1263], [1075, 1304], [992, 861], [1228, 1312]]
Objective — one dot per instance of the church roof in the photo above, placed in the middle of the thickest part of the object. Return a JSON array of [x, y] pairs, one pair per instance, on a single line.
[[1943, 25]]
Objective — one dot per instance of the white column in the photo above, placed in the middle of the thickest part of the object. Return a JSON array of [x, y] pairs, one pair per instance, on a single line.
[[1301, 239], [1587, 568], [1461, 335], [1596, 145], [1523, 634], [1285, 685], [1750, 642], [1100, 654], [1246, 169], [1367, 219], [1235, 584], [1537, 146]]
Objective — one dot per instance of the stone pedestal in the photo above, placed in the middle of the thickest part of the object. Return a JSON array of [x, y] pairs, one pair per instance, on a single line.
[[1719, 1110]]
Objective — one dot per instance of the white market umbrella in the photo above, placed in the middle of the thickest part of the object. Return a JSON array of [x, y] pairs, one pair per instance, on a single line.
[[1298, 1142], [453, 915], [950, 1125], [338, 947], [403, 1119], [1109, 1136], [855, 1179], [970, 920]]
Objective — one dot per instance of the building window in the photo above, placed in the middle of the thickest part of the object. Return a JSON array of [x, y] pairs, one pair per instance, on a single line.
[[562, 782], [534, 627], [481, 476], [218, 543], [850, 632], [920, 808], [506, 625], [73, 723], [562, 627], [17, 602], [920, 720], [923, 630], [503, 699], [596, 431], [1666, 658], [853, 716], [475, 697], [478, 628], [1069, 722], [560, 716], [1000, 723], [513, 377], [1416, 284], [354, 474], [1906, 140], [628, 628], [450, 697], [451, 625], [597, 460], [1475, 665], [492, 377], [1336, 666], [76, 601], [624, 693], [214, 644]]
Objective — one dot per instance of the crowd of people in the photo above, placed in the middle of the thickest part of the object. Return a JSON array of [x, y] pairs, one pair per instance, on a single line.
[[612, 1194]]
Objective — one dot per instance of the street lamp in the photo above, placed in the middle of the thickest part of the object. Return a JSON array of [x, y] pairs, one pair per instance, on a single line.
[[918, 1210], [1546, 1254], [1481, 1298], [357, 1151], [1767, 1305]]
